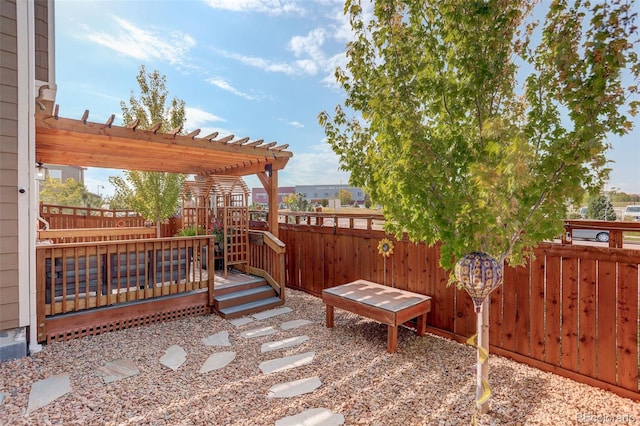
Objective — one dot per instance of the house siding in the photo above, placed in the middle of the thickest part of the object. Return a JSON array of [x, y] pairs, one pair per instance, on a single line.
[[41, 27], [9, 303]]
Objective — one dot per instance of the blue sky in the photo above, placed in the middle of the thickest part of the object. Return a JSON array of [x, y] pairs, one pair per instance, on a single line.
[[261, 69]]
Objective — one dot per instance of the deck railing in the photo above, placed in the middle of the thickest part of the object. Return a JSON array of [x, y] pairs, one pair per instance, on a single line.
[[266, 258], [79, 276], [58, 236]]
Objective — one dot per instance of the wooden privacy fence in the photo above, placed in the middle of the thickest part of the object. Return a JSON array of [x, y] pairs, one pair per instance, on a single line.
[[66, 217], [573, 310]]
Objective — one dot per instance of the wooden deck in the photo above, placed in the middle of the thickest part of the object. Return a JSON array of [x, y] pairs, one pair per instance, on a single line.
[[143, 312], [387, 305]]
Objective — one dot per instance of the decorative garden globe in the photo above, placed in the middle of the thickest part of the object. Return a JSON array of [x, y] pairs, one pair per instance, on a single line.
[[479, 274]]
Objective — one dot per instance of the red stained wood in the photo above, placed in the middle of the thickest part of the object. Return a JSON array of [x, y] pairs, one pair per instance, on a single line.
[[537, 308], [606, 322], [569, 359], [628, 326], [587, 313], [552, 339]]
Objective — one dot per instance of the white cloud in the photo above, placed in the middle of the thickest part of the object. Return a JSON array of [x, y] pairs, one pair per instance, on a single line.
[[198, 119], [292, 123], [320, 166], [225, 85], [270, 7], [261, 63], [144, 45]]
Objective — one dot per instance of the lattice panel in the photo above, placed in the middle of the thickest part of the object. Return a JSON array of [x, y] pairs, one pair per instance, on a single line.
[[130, 322], [237, 225]]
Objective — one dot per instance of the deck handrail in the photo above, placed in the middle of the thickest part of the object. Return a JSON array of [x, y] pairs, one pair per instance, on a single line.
[[266, 259], [95, 234]]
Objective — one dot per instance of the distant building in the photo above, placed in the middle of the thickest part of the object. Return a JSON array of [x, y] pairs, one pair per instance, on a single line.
[[56, 171], [311, 193], [259, 195], [317, 193]]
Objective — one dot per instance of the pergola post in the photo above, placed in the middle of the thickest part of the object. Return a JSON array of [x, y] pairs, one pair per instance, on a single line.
[[269, 180]]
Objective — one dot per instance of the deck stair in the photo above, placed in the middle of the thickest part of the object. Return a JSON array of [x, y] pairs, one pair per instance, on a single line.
[[250, 296]]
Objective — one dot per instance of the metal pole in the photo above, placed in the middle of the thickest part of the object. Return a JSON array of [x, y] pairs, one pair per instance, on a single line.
[[482, 368]]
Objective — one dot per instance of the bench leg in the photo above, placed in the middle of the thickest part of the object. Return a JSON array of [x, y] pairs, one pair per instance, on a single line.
[[421, 328], [392, 338], [329, 316]]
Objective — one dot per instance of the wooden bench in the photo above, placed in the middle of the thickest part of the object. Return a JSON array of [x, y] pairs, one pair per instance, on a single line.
[[384, 304]]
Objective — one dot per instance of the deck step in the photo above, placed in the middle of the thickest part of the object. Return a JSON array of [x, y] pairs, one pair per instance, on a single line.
[[250, 307], [243, 296], [247, 283]]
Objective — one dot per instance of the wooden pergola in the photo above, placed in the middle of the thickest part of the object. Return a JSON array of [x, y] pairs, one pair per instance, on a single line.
[[83, 143]]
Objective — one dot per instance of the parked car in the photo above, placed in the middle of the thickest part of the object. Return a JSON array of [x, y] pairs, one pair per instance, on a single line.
[[631, 212], [590, 234]]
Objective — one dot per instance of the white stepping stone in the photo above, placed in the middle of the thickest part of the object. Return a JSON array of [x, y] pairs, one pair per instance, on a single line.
[[3, 396], [272, 313], [312, 417], [286, 363], [174, 357], [281, 344], [118, 369], [294, 388], [48, 390], [217, 361], [218, 339], [290, 325], [239, 322], [258, 332]]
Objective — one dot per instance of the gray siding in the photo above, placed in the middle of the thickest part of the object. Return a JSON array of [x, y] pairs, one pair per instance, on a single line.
[[8, 166], [41, 12]]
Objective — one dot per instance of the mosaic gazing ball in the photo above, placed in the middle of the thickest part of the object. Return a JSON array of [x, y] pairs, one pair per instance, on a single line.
[[479, 274]]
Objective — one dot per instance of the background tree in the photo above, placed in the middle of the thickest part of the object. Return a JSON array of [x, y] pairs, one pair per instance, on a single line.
[[345, 197], [435, 128], [154, 195], [296, 202], [600, 208], [68, 193]]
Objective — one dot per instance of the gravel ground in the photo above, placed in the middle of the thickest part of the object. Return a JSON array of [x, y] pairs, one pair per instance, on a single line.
[[429, 381]]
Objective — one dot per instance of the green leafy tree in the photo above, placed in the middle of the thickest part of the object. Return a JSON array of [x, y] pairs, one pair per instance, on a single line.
[[68, 193], [600, 208], [436, 128], [345, 197], [154, 195], [296, 202]]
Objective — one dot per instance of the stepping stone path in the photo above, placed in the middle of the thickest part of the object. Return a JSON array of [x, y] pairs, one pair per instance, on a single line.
[[48, 390], [312, 417], [239, 322], [286, 363], [290, 325], [217, 361], [118, 369], [218, 339], [174, 357], [295, 388], [271, 313], [281, 344], [258, 332]]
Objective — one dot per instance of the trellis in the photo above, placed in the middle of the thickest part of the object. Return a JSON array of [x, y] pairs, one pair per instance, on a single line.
[[222, 198]]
